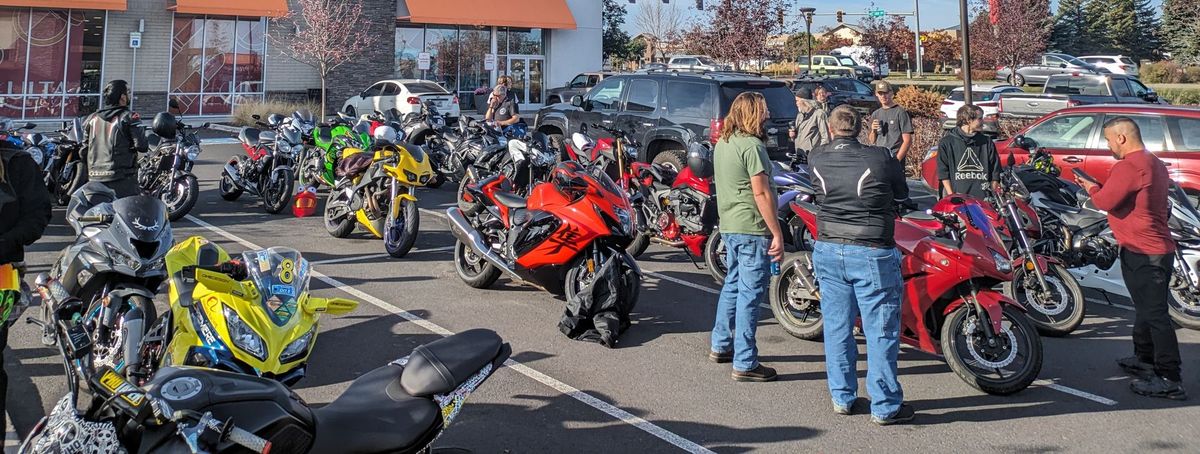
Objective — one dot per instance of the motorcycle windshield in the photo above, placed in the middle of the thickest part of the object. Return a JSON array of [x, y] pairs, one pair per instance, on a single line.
[[1182, 207], [290, 135], [281, 276]]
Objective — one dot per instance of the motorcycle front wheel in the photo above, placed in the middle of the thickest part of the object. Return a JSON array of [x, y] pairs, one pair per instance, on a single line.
[[1001, 369], [229, 190], [1184, 306], [714, 256], [400, 232], [310, 168], [578, 278], [72, 179], [1057, 314], [181, 197], [277, 191], [339, 221], [792, 302], [473, 269]]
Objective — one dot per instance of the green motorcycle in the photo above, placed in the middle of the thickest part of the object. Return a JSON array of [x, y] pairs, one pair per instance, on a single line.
[[318, 165]]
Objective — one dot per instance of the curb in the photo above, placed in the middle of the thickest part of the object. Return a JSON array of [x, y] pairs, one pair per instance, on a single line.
[[224, 128]]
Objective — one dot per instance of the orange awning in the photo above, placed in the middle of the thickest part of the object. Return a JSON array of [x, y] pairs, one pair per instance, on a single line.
[[521, 13], [255, 8], [112, 5]]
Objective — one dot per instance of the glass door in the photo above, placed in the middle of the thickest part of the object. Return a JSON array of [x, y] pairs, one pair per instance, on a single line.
[[528, 80]]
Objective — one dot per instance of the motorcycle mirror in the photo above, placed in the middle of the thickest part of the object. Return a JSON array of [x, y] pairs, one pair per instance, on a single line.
[[29, 126], [331, 306], [42, 279], [205, 125]]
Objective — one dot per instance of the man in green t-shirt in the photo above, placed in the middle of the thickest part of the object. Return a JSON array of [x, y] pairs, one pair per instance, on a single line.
[[750, 231]]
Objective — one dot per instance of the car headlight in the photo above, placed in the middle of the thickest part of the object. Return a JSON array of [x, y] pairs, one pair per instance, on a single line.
[[192, 152], [37, 154], [121, 258], [243, 336], [1003, 264], [298, 348]]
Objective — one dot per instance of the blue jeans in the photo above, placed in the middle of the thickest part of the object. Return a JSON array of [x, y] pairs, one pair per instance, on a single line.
[[859, 281], [745, 289]]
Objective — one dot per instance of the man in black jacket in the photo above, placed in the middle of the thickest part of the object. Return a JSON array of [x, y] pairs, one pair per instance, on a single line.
[[113, 137], [24, 214], [858, 266], [967, 162]]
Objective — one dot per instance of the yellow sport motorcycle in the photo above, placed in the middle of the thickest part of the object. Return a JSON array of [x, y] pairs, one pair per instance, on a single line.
[[375, 189], [252, 316]]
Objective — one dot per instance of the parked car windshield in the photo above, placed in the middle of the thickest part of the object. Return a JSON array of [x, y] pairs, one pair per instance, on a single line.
[[1126, 60], [1083, 86], [425, 88], [847, 61], [1077, 62], [706, 61], [957, 95], [780, 101]]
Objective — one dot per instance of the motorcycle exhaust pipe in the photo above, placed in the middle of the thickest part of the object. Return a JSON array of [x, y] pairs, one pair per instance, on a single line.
[[234, 175], [676, 244], [466, 234]]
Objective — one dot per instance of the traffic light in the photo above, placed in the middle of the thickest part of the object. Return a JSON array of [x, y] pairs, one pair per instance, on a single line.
[[781, 19], [840, 13], [700, 5]]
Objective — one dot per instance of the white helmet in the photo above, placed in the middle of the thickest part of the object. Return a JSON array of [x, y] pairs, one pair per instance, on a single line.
[[385, 134]]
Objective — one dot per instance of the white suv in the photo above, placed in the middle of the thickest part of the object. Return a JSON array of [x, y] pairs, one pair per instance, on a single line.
[[696, 62], [1116, 64]]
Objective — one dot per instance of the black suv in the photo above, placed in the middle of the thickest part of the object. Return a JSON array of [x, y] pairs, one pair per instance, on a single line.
[[843, 90], [663, 108]]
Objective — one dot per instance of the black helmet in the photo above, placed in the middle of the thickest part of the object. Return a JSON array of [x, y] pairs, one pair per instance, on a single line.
[[164, 125], [699, 160]]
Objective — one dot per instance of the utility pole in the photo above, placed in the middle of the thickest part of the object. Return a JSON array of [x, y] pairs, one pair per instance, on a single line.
[[920, 57], [808, 17], [965, 32]]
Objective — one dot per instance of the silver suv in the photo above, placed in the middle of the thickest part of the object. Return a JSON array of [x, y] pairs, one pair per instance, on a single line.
[[696, 62]]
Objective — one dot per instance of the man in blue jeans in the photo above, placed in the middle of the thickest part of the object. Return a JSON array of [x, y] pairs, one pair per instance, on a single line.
[[749, 227], [858, 266]]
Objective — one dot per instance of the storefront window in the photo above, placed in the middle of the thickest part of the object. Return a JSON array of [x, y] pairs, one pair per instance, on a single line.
[[410, 41], [524, 41], [442, 45], [50, 62], [473, 46], [216, 63], [457, 58]]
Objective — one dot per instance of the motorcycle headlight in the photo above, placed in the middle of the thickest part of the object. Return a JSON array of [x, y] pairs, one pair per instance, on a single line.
[[121, 258], [243, 336], [1003, 264], [298, 348], [38, 155], [410, 176], [625, 219], [633, 152], [192, 152]]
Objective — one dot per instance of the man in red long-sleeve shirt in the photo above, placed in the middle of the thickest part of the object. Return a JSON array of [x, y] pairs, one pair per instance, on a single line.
[[1135, 198]]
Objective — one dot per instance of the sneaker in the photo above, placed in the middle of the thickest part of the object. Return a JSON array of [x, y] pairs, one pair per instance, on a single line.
[[901, 416], [1156, 386], [844, 411], [720, 357], [758, 374], [1136, 367]]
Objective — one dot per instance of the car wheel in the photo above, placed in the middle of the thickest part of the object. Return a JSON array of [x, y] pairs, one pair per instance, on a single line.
[[1017, 80], [350, 111]]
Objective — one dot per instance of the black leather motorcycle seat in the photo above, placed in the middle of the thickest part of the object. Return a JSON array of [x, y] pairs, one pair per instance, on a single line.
[[376, 415], [442, 365], [1060, 208], [249, 136], [509, 199], [1082, 218]]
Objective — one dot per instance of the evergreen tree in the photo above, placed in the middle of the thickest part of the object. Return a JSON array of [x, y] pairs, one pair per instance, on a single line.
[[1181, 29], [1096, 31], [1149, 42], [1070, 28]]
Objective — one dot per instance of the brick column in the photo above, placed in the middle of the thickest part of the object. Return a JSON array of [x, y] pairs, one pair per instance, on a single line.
[[372, 64]]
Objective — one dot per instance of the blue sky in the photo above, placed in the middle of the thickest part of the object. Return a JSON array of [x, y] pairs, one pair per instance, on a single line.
[[935, 14]]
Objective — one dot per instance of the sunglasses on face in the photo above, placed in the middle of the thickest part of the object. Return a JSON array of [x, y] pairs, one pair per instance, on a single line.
[[883, 93]]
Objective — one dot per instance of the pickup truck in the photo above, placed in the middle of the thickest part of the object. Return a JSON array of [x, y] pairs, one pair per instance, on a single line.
[[1070, 90]]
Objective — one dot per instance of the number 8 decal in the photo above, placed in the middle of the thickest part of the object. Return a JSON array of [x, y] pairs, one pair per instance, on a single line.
[[287, 271]]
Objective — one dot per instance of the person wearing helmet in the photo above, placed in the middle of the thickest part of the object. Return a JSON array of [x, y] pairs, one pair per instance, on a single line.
[[113, 137]]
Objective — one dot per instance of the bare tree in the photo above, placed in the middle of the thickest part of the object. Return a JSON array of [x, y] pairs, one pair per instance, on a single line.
[[662, 22], [329, 34]]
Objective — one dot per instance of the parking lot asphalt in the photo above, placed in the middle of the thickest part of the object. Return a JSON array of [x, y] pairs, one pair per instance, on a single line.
[[656, 392]]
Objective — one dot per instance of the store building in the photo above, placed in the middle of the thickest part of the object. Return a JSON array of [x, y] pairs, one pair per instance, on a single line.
[[211, 55]]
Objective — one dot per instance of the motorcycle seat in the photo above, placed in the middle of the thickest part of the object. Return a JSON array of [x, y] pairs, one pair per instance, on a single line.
[[376, 415], [1082, 218], [442, 365], [509, 199], [249, 136]]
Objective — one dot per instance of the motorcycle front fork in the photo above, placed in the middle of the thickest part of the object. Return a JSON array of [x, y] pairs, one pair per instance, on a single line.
[[1026, 248]]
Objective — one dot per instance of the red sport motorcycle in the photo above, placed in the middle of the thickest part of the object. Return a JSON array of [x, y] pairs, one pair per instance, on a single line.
[[952, 257], [571, 231], [675, 207]]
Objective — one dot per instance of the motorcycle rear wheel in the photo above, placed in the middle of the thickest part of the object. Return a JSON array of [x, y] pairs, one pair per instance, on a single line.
[[473, 270], [277, 192], [75, 179], [1185, 314], [342, 226], [1066, 291], [800, 317], [981, 367], [182, 203], [398, 237], [639, 244]]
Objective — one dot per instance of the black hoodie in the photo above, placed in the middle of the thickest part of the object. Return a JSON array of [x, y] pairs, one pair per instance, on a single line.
[[24, 204], [113, 137], [968, 162]]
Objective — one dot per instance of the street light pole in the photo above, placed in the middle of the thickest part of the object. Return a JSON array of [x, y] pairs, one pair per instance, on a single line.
[[964, 31], [917, 16], [808, 16]]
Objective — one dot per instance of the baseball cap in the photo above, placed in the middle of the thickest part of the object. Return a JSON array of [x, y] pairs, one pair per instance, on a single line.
[[804, 93], [882, 86]]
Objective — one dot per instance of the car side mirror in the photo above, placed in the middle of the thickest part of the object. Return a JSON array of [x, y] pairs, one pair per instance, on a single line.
[[1062, 65], [577, 101], [1024, 143], [205, 125], [256, 117], [29, 126], [1150, 96]]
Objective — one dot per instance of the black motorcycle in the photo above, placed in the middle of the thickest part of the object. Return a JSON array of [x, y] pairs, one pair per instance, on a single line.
[[401, 407], [478, 149], [66, 171], [111, 271], [427, 128], [267, 169], [166, 171]]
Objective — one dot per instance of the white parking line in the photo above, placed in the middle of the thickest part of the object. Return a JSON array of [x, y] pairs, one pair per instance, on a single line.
[[220, 141], [587, 399], [713, 291]]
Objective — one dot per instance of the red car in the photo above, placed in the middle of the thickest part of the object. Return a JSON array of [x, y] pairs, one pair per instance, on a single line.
[[1073, 136]]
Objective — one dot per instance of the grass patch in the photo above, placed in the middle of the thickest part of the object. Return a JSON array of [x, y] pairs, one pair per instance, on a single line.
[[243, 114]]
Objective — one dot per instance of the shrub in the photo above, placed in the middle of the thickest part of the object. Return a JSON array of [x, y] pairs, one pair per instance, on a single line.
[[979, 75], [243, 114], [1191, 74], [918, 102], [1180, 96], [927, 132], [1163, 72]]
